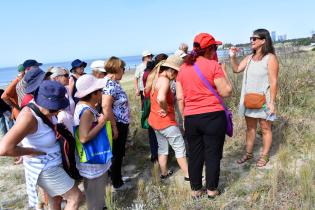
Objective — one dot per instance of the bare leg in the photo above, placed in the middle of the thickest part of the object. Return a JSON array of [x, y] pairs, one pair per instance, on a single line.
[[73, 198], [266, 135], [182, 162], [55, 203], [163, 164], [251, 124]]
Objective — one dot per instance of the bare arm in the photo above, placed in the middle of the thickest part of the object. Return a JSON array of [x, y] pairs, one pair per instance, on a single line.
[[86, 121], [25, 124], [163, 87], [107, 104], [273, 70], [71, 86], [223, 84], [180, 98], [7, 96], [238, 68]]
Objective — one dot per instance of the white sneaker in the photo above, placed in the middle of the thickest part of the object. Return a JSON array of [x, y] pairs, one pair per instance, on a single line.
[[126, 178], [121, 188]]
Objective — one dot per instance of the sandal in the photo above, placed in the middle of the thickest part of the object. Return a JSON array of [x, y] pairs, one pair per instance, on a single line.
[[246, 157], [263, 160], [169, 173], [197, 195], [215, 195]]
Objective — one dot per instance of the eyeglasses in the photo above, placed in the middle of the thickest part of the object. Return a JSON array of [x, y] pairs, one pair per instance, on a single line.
[[254, 38]]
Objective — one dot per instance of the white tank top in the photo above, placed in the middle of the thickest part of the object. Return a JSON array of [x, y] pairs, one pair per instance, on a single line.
[[44, 139]]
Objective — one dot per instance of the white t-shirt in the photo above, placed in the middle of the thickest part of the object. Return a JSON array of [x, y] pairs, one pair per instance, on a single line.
[[139, 75]]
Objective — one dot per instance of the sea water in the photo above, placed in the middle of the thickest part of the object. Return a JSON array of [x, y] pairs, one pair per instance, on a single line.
[[9, 73]]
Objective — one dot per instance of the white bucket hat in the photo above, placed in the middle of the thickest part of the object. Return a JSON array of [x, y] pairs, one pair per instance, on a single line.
[[98, 65], [87, 84], [173, 61]]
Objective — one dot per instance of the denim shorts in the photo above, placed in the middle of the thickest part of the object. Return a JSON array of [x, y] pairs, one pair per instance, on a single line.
[[171, 136]]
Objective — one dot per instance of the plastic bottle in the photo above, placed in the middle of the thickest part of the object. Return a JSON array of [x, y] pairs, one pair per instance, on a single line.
[[270, 116]]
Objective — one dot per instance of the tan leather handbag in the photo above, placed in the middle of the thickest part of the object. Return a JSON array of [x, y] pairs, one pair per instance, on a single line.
[[253, 100]]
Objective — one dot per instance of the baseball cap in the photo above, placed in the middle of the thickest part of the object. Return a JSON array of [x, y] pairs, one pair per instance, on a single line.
[[204, 40], [146, 53]]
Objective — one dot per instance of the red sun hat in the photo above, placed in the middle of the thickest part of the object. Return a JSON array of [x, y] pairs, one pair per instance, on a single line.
[[205, 40]]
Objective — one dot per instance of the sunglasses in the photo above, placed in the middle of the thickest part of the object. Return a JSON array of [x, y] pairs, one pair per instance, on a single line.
[[254, 38], [64, 75]]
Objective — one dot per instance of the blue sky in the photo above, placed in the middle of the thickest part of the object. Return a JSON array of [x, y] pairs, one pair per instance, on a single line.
[[62, 30]]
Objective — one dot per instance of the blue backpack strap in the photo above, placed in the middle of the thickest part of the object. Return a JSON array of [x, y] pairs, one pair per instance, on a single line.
[[81, 113]]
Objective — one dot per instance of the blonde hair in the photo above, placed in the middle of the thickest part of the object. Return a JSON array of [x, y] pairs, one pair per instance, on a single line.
[[152, 78], [114, 64]]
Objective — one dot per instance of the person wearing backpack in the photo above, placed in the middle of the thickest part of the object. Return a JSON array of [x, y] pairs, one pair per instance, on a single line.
[[89, 124], [41, 151]]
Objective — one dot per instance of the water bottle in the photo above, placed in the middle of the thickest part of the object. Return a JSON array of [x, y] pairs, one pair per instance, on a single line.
[[270, 116]]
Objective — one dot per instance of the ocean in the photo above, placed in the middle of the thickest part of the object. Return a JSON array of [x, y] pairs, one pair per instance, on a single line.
[[9, 73]]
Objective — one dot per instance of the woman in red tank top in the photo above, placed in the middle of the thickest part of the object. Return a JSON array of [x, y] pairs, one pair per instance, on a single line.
[[162, 116]]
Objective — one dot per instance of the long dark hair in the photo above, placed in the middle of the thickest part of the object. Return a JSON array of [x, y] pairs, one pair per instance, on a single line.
[[268, 46], [191, 58]]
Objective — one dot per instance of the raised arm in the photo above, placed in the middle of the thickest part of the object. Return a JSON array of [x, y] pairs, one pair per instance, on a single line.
[[237, 67]]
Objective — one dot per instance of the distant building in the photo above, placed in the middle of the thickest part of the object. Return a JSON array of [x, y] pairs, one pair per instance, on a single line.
[[282, 38], [273, 36]]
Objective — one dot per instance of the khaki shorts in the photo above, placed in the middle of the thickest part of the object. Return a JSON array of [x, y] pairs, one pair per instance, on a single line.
[[170, 136]]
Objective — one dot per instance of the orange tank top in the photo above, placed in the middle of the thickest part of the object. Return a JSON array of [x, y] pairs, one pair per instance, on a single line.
[[157, 122]]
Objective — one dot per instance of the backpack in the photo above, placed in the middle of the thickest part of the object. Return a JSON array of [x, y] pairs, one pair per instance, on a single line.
[[66, 142]]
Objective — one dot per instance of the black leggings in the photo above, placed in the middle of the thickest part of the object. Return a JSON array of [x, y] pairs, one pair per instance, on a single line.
[[118, 154], [205, 134]]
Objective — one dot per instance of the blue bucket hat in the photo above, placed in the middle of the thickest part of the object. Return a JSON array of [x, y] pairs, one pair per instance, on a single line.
[[31, 62], [51, 95], [33, 79], [77, 63]]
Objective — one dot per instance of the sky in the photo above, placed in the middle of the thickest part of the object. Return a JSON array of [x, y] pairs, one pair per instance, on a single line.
[[63, 30]]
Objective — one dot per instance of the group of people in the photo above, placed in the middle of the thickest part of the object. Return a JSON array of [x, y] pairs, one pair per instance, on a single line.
[[183, 113]]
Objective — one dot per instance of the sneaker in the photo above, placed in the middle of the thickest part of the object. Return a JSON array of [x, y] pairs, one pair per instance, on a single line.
[[126, 178], [121, 188]]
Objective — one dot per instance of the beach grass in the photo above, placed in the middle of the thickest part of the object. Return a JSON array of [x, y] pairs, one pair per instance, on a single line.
[[287, 182]]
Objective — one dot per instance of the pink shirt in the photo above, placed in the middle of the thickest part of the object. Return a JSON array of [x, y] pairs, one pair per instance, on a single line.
[[198, 98]]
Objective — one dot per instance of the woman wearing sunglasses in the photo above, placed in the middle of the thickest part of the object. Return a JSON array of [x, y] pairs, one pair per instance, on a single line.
[[65, 116], [259, 90]]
